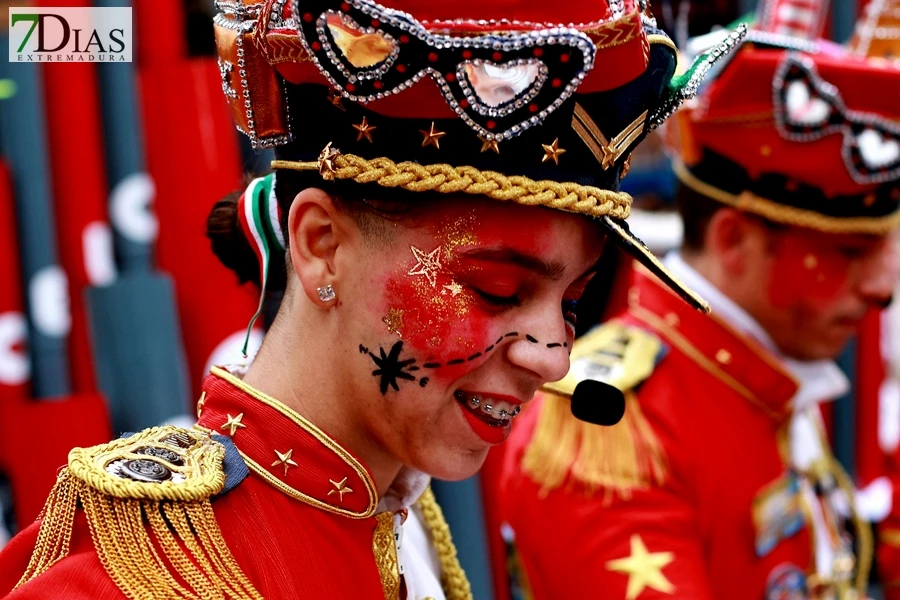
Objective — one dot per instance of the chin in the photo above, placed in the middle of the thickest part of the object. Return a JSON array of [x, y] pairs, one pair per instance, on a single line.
[[452, 465], [821, 349]]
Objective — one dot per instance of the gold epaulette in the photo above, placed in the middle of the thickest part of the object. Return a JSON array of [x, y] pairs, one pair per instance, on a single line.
[[615, 459], [147, 503]]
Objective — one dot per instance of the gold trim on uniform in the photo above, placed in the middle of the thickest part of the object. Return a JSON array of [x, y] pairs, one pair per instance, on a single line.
[[157, 482], [317, 433], [615, 459], [385, 550]]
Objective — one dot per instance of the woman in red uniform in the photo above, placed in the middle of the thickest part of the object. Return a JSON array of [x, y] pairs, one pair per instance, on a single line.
[[419, 313]]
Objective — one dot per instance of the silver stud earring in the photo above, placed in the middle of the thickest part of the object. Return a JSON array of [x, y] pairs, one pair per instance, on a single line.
[[326, 293]]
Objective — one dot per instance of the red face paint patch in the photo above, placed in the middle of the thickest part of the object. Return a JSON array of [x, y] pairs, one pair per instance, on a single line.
[[806, 271], [437, 300]]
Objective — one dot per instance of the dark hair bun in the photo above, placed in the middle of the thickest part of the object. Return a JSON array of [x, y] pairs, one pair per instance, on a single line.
[[228, 242]]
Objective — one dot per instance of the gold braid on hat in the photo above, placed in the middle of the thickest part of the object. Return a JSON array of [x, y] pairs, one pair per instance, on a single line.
[[788, 215], [447, 179]]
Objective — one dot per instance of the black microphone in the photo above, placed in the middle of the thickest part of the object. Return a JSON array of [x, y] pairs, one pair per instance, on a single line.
[[598, 403]]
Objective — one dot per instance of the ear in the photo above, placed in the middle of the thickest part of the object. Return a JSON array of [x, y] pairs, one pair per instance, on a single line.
[[734, 237], [316, 230]]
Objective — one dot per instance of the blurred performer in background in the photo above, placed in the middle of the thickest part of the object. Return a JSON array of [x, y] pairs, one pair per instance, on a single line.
[[419, 313], [877, 34], [719, 483]]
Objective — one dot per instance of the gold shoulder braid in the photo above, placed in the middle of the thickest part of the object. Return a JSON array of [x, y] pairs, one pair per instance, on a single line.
[[619, 458], [453, 578], [159, 480]]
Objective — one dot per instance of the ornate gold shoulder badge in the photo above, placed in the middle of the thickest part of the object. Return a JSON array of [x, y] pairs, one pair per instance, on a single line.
[[147, 502]]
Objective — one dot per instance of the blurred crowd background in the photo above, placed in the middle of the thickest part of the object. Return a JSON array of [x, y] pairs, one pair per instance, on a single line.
[[112, 307]]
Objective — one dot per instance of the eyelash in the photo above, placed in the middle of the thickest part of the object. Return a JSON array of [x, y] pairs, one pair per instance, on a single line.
[[569, 307], [500, 301]]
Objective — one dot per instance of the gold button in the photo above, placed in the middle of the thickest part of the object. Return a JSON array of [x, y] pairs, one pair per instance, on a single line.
[[723, 356], [765, 150]]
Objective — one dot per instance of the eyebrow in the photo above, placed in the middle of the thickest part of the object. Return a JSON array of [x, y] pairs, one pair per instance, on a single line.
[[550, 270]]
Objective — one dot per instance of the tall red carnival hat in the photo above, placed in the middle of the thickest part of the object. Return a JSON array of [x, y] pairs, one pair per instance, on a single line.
[[516, 100], [797, 129]]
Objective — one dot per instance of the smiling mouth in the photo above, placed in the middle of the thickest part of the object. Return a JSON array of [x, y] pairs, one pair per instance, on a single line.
[[496, 413]]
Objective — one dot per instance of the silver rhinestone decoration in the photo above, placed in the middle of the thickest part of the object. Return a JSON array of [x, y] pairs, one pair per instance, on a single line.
[[849, 143], [255, 141], [378, 71], [276, 16], [225, 69], [513, 105], [326, 293], [617, 8], [778, 40], [703, 64], [507, 42]]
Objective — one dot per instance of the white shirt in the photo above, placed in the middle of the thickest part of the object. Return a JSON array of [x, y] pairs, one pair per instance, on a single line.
[[419, 563]]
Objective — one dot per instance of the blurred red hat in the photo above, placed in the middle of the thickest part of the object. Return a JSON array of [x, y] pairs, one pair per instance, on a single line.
[[798, 129]]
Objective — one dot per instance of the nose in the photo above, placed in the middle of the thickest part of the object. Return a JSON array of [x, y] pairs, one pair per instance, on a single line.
[[879, 274], [542, 346]]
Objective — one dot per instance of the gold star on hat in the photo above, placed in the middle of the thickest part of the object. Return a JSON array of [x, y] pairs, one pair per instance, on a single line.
[[335, 99], [644, 569], [552, 152], [432, 137], [488, 144], [365, 130]]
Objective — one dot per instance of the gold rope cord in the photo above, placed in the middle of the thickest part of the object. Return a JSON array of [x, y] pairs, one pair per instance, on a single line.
[[447, 179], [865, 543], [156, 540], [615, 459], [788, 215], [453, 578]]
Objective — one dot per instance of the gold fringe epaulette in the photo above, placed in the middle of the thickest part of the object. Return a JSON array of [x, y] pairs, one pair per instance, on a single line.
[[147, 503], [616, 459]]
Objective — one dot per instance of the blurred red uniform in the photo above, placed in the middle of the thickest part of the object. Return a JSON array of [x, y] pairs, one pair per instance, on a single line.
[[698, 493]]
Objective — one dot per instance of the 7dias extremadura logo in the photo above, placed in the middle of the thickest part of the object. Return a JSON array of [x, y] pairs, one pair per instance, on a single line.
[[70, 34]]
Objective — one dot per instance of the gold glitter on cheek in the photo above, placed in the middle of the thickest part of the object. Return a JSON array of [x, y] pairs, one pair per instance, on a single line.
[[459, 232], [394, 321], [454, 288], [464, 342]]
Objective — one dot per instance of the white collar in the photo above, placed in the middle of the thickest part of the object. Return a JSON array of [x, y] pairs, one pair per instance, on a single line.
[[820, 380]]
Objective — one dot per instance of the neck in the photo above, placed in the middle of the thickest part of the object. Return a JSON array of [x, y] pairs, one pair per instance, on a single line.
[[305, 378]]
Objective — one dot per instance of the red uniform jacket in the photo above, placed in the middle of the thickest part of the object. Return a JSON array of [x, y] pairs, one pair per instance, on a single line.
[[691, 495], [300, 523]]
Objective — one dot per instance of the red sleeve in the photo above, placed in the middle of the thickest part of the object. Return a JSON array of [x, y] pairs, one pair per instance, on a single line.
[[79, 576], [644, 546]]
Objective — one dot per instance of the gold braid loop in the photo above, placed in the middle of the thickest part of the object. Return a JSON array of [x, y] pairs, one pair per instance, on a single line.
[[453, 578], [146, 502], [447, 179]]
